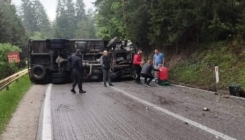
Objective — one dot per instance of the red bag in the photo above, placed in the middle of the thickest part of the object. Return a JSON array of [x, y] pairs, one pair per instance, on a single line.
[[163, 74]]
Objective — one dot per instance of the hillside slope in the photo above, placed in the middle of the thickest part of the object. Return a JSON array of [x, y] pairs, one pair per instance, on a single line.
[[197, 68]]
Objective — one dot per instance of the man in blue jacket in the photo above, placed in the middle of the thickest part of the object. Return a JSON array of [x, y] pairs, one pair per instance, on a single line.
[[158, 59]]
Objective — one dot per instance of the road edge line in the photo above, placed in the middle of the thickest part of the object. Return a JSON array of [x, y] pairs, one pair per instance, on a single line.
[[235, 97], [47, 122], [198, 89], [193, 123]]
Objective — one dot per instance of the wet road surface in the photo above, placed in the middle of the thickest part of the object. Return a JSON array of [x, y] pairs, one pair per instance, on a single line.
[[107, 114]]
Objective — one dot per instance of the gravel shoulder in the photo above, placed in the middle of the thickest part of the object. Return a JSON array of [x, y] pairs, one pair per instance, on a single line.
[[24, 122]]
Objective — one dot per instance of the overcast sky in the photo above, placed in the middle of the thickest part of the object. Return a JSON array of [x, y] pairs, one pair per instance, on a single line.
[[50, 6]]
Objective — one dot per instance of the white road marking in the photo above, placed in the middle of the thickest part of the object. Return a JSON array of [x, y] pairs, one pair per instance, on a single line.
[[214, 132], [193, 88], [47, 126], [235, 97]]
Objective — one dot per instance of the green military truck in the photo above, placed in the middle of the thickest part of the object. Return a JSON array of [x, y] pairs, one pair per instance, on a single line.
[[47, 62]]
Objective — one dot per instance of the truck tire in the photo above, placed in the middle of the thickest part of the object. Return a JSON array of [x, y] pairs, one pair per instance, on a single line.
[[58, 41], [113, 42], [59, 80], [57, 46], [133, 74], [59, 75], [38, 72]]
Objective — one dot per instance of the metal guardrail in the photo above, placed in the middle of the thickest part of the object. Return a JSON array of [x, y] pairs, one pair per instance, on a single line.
[[7, 81]]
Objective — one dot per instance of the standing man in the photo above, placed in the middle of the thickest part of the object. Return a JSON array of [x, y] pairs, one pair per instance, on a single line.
[[105, 62], [137, 62], [158, 59], [77, 70]]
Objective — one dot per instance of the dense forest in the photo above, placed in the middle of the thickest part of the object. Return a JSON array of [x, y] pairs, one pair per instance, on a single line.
[[72, 21], [171, 23]]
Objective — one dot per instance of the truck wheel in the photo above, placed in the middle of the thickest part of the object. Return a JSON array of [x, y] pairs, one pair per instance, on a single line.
[[133, 74], [59, 80], [57, 46], [38, 72], [59, 75], [113, 42], [58, 41]]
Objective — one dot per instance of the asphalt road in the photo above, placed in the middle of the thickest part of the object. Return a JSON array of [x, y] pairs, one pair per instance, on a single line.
[[134, 112]]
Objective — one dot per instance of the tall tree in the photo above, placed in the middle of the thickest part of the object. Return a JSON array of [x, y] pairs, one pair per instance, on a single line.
[[127, 19], [35, 18], [80, 10], [170, 23], [29, 16], [86, 27], [65, 24], [12, 30], [43, 22]]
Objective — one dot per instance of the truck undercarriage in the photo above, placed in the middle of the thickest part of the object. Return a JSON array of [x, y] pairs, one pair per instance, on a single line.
[[48, 63]]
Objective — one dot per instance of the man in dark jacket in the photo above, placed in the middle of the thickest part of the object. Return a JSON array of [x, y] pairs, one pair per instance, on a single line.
[[77, 69], [146, 72], [105, 62]]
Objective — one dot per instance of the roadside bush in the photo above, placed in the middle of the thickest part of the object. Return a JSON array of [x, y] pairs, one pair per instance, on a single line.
[[6, 68]]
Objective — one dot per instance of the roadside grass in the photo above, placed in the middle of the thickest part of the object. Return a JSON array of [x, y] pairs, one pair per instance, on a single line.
[[9, 100], [198, 69]]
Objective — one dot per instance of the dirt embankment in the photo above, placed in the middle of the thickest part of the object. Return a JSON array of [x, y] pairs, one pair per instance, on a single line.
[[195, 66]]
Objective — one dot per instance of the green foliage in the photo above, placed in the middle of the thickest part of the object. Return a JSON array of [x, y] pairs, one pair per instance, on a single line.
[[72, 21], [11, 28], [6, 68], [65, 19], [170, 23], [35, 18], [37, 35], [9, 100], [126, 19], [86, 27], [200, 70]]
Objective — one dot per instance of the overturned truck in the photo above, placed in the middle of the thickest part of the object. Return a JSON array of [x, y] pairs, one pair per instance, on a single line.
[[47, 62]]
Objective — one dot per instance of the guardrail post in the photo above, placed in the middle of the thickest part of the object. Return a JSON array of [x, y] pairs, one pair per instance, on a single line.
[[7, 87]]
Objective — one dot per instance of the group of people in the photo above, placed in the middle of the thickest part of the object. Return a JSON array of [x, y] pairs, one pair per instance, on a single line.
[[105, 61], [146, 70], [77, 69]]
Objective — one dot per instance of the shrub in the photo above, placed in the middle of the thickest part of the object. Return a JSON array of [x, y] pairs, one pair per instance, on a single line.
[[6, 68]]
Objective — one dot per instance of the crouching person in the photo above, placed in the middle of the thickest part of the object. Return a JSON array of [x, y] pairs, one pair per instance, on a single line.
[[146, 72]]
